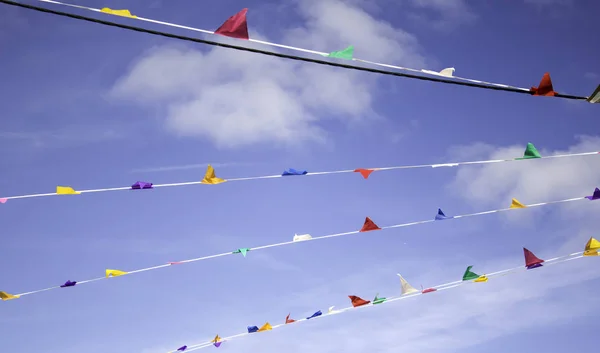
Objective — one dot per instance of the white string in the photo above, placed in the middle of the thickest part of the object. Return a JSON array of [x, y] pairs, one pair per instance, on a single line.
[[454, 164], [428, 72], [440, 287], [306, 240]]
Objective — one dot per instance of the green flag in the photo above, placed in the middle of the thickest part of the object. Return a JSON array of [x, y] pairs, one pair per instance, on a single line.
[[378, 300], [343, 54], [469, 275], [530, 152], [242, 251]]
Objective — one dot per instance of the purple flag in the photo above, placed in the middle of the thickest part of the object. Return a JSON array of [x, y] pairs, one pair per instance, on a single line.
[[141, 185], [595, 196], [69, 284]]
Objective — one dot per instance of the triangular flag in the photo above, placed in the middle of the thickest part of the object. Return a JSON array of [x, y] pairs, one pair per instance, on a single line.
[[265, 327], [181, 349], [531, 261], [302, 237], [440, 216], [68, 284], [292, 171], [481, 279], [124, 13], [216, 341], [330, 310], [427, 290], [530, 152], [406, 287], [545, 88], [591, 247], [3, 200], [318, 313], [236, 26], [447, 72], [516, 204], [252, 329], [369, 225], [242, 251], [141, 185], [7, 296], [66, 190], [343, 54], [210, 177], [288, 320], [114, 273], [595, 97], [469, 275], [358, 301], [378, 300], [595, 195], [364, 172]]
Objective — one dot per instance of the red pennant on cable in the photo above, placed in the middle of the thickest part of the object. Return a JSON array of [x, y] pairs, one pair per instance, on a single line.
[[288, 320], [531, 261], [369, 225], [545, 88], [358, 301], [364, 172], [235, 26]]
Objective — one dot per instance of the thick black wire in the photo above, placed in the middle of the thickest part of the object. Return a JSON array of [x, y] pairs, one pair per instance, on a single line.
[[279, 55]]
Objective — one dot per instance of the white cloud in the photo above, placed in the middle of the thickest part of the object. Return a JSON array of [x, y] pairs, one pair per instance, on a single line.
[[236, 99]]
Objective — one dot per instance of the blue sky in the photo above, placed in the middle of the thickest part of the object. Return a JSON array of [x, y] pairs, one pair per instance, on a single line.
[[91, 106]]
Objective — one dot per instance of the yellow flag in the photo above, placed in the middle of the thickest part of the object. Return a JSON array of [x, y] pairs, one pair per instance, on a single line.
[[7, 296], [591, 248], [265, 327], [481, 279], [66, 190], [114, 273], [124, 13], [516, 204], [216, 339], [210, 177]]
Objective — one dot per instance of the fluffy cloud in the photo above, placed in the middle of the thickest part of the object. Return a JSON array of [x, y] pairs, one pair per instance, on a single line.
[[237, 99]]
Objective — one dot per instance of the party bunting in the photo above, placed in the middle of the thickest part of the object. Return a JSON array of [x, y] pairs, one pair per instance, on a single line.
[[292, 171], [210, 177], [595, 96], [369, 225], [3, 200], [216, 341], [115, 273], [378, 300], [288, 320], [531, 261], [66, 190], [516, 204], [440, 216], [181, 349], [252, 329], [591, 247], [302, 237], [6, 296], [406, 287], [68, 284], [595, 195], [530, 152], [343, 54], [123, 13], [242, 251], [265, 327], [141, 185], [469, 275], [358, 301], [403, 296], [169, 264], [236, 27]]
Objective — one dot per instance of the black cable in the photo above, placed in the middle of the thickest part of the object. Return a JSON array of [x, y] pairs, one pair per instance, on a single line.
[[279, 55]]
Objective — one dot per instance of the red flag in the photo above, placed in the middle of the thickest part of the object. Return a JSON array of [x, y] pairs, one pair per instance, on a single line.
[[288, 320], [235, 26], [531, 261], [358, 301], [369, 225], [364, 172], [545, 88]]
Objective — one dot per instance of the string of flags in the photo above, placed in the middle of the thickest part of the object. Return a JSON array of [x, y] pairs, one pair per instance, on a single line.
[[210, 177], [237, 27], [531, 261], [368, 226]]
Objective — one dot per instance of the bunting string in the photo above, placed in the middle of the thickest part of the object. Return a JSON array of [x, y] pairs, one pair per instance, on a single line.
[[407, 291], [236, 27], [210, 178], [368, 226]]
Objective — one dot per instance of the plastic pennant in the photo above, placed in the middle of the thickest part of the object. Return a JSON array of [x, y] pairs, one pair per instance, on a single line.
[[216, 341], [470, 275], [595, 96], [122, 13], [236, 26], [440, 216], [364, 172], [3, 200], [481, 279], [242, 251], [138, 185], [181, 349], [68, 284], [345, 54], [292, 171], [318, 313], [66, 190], [447, 72], [427, 290], [516, 204], [288, 320], [530, 152], [252, 329], [591, 247], [378, 300], [330, 310], [302, 237], [545, 88], [369, 225], [114, 273], [7, 296], [266, 327], [358, 301], [406, 287], [531, 261], [594, 196], [210, 177]]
